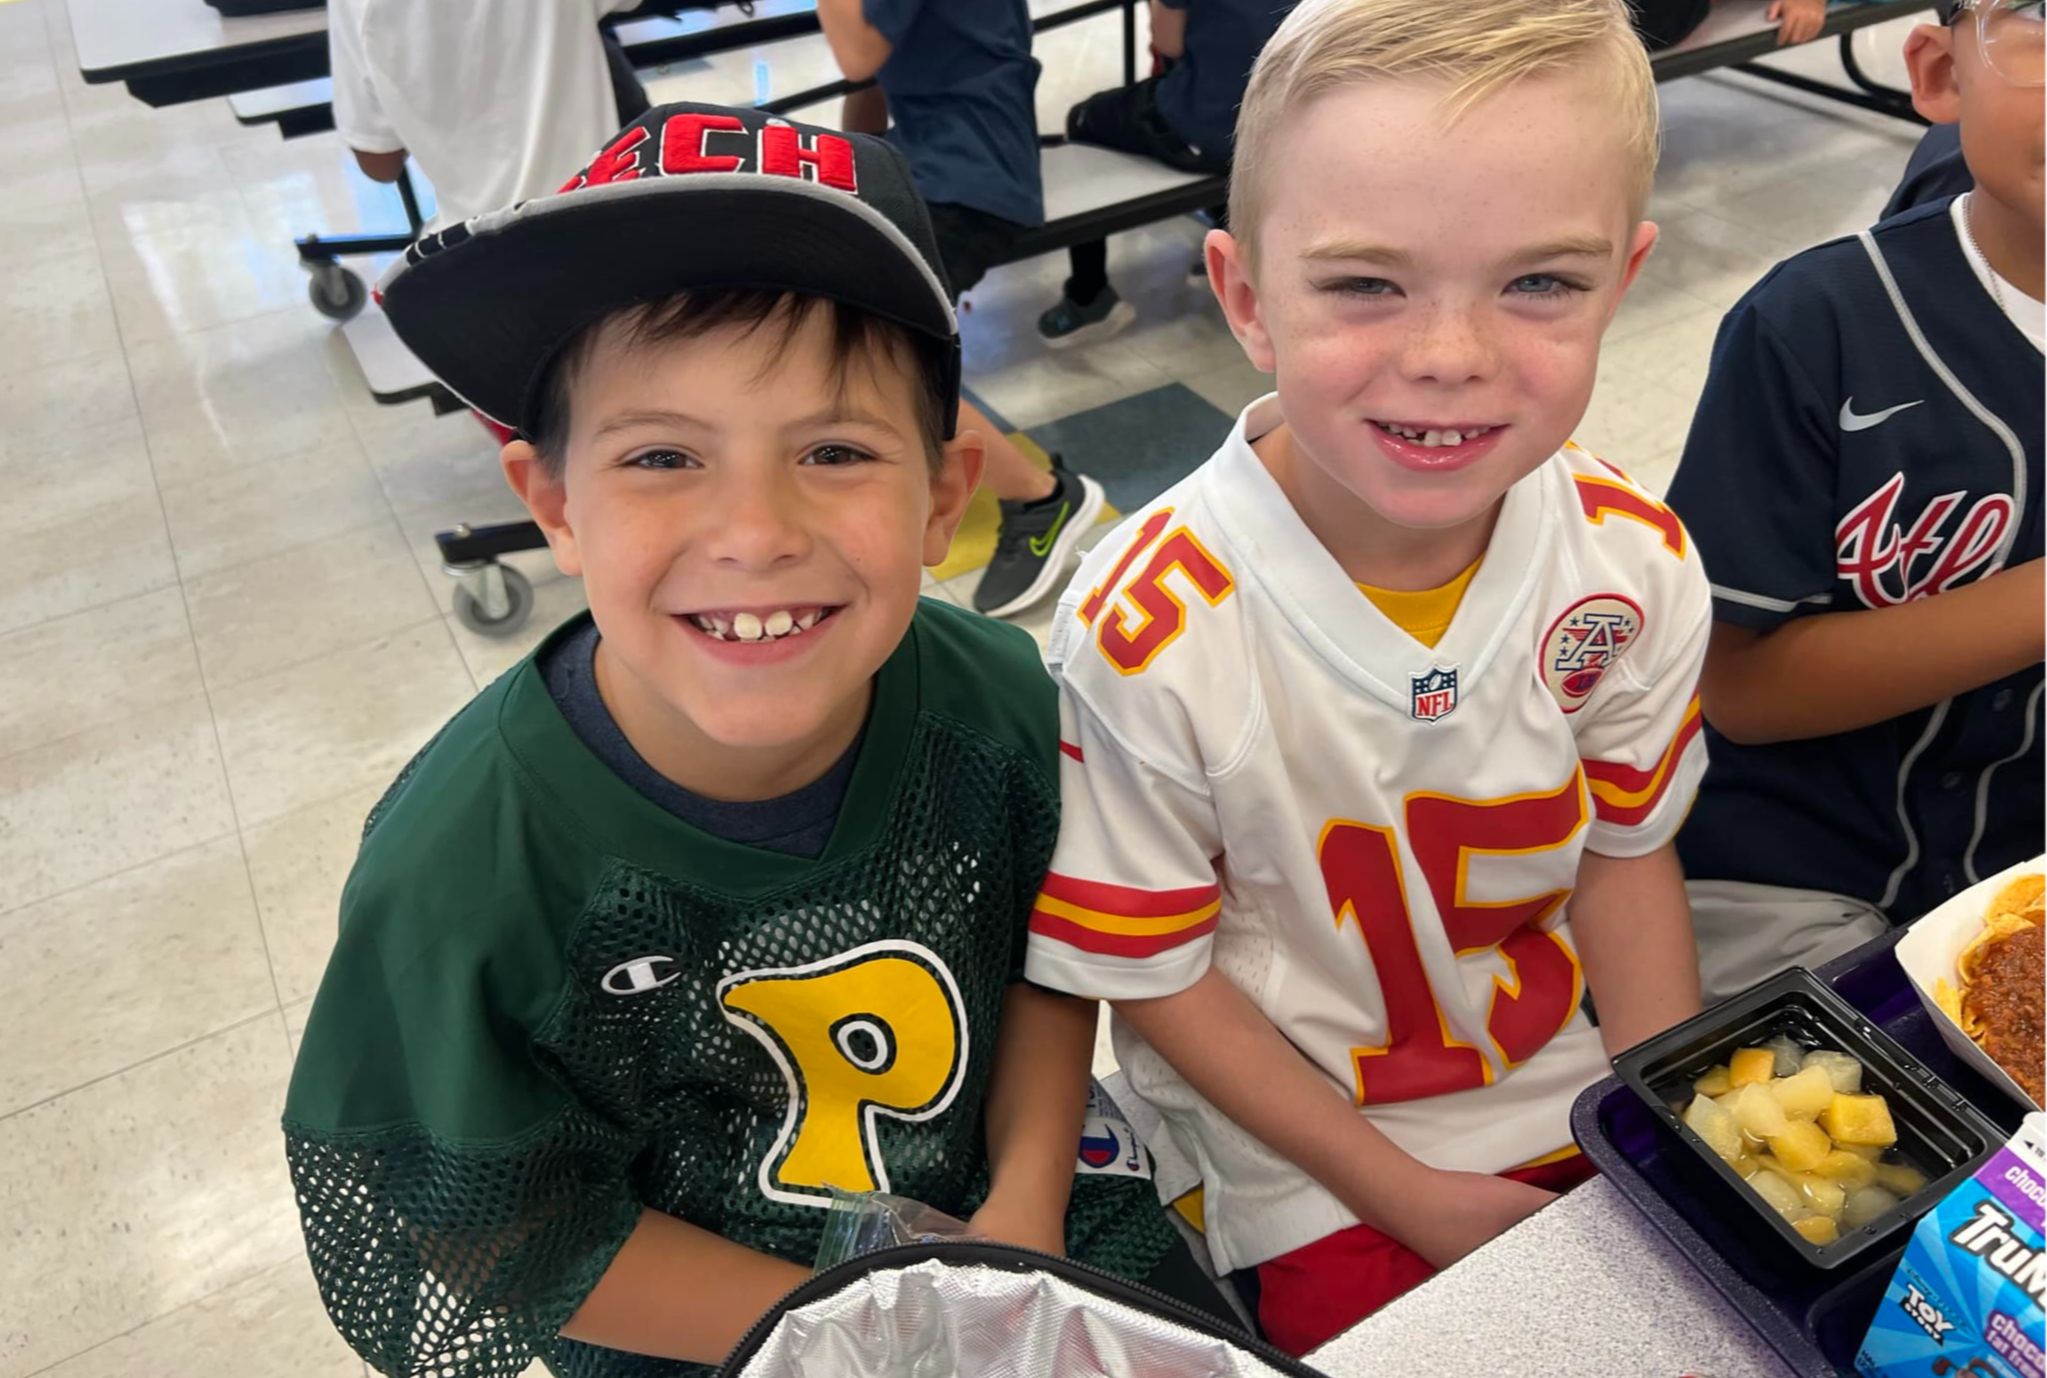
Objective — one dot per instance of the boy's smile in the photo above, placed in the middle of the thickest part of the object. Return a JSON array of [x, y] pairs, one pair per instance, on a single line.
[[1430, 292], [750, 525]]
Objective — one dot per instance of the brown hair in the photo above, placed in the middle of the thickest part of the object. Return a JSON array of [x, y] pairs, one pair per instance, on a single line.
[[856, 337]]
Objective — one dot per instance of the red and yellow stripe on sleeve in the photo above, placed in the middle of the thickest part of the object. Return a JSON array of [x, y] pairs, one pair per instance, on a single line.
[[1623, 795], [1119, 921]]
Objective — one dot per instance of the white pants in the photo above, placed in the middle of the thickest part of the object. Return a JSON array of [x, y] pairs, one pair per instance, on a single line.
[[1748, 933]]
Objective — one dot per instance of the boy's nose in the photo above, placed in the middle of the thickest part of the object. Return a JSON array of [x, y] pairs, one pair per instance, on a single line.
[[757, 523], [1446, 346]]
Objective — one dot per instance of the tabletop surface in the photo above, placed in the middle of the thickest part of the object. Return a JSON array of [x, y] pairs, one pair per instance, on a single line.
[[113, 35], [1586, 1286], [120, 35]]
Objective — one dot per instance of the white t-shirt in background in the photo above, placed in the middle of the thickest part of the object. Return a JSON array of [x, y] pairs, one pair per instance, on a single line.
[[497, 100]]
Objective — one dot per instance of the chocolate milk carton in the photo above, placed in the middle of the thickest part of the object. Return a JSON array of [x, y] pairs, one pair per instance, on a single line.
[[1969, 1293]]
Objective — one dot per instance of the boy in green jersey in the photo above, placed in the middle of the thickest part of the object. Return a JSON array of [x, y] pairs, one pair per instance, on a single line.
[[719, 899]]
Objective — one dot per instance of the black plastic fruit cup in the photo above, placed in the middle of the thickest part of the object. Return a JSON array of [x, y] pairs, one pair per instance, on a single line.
[[1938, 1130]]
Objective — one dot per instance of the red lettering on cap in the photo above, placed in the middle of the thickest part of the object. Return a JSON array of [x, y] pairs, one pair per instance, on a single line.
[[828, 159], [618, 163], [682, 143]]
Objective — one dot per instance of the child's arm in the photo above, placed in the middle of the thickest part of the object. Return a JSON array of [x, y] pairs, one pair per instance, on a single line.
[[1818, 675], [1633, 929], [1037, 1098], [1227, 1049], [857, 46], [679, 1292], [1168, 29], [1797, 21]]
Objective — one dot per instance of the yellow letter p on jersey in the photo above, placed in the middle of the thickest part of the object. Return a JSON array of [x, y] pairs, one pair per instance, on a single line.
[[878, 1030]]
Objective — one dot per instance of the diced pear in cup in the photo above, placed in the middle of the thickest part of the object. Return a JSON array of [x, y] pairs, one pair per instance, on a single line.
[[1779, 1195], [1842, 1070], [1758, 1111], [1817, 1229], [1859, 1120], [1787, 1053], [1802, 1146], [1851, 1170], [1823, 1196], [1871, 1152], [1899, 1178], [1716, 1125], [1866, 1204], [1804, 1094], [1751, 1065], [1714, 1082]]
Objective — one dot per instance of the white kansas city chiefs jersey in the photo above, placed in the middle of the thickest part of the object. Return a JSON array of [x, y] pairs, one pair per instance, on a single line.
[[1373, 839]]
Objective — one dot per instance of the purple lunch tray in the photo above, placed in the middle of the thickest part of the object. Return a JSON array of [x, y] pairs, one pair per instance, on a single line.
[[1813, 1318]]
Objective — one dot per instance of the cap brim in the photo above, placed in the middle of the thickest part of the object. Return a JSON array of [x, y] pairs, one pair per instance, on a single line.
[[487, 314]]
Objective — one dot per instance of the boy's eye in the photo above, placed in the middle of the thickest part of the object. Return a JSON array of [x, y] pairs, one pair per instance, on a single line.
[[833, 456], [1363, 287], [1542, 285], [659, 459]]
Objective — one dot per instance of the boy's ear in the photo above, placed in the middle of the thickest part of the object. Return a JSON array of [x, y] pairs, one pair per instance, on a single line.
[[546, 497], [1638, 254], [1930, 58], [952, 485], [1229, 276]]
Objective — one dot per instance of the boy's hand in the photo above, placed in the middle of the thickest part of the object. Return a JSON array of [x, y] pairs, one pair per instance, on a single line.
[[1009, 1222], [1462, 1210], [1797, 21]]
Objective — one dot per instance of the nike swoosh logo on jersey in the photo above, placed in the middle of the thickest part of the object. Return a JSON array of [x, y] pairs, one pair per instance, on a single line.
[[1852, 422]]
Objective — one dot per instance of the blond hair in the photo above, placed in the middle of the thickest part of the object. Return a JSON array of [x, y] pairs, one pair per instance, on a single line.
[[1477, 47]]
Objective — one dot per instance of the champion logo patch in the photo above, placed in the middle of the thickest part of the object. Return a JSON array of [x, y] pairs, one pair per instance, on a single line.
[[1434, 695], [640, 975], [1584, 643]]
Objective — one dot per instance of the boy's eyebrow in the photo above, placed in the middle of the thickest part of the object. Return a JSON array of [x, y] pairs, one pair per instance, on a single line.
[[839, 411], [626, 420], [1573, 246], [1359, 250], [1355, 250]]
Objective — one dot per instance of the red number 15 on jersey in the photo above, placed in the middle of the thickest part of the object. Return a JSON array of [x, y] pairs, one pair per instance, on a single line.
[[1361, 867]]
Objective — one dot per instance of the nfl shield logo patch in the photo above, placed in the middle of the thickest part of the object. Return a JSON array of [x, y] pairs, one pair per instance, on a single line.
[[1435, 695]]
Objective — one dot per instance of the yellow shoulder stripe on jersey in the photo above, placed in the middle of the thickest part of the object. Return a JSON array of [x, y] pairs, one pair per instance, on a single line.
[[1122, 920], [1624, 795], [1136, 926]]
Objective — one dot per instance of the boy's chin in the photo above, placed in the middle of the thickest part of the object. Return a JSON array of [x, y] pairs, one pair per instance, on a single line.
[[765, 724]]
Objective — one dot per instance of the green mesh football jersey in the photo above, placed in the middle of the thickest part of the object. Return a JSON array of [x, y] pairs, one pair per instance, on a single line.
[[553, 1003]]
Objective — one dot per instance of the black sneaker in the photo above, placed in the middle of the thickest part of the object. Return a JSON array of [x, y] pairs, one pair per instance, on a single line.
[[1069, 323], [1035, 543]]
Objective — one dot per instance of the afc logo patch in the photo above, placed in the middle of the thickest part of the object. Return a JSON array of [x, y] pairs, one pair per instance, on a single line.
[[1584, 643], [1434, 695]]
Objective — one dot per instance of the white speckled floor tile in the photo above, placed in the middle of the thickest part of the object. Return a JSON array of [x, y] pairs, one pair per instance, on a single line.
[[103, 977], [106, 799], [135, 1196]]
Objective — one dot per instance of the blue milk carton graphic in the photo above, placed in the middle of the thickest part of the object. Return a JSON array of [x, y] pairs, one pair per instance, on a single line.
[[1968, 1295]]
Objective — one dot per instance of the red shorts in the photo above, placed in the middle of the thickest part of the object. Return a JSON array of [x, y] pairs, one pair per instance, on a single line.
[[1312, 1295]]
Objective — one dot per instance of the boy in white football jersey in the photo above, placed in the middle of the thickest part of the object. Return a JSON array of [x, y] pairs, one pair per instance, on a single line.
[[1353, 711]]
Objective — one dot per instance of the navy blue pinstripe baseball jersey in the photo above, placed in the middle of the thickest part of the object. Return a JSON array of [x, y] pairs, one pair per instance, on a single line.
[[1870, 435]]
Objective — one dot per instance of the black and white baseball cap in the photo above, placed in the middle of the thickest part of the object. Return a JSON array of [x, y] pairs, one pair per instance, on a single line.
[[686, 197]]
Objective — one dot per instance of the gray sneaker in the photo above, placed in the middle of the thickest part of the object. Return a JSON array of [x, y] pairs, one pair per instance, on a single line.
[[1035, 543], [1069, 323]]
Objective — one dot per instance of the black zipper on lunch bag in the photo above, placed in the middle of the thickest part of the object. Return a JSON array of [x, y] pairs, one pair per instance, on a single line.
[[1016, 1259]]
